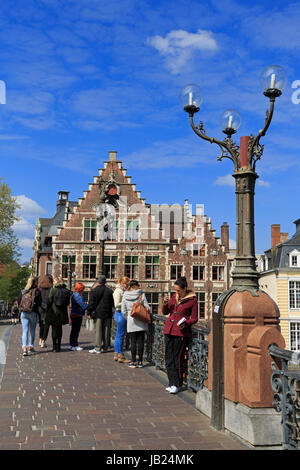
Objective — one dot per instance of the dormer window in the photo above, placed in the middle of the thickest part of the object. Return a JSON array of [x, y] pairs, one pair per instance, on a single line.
[[295, 259]]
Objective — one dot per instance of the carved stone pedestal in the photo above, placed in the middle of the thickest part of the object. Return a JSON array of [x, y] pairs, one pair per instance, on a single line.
[[250, 326]]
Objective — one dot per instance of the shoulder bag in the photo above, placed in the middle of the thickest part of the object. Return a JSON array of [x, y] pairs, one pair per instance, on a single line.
[[139, 312]]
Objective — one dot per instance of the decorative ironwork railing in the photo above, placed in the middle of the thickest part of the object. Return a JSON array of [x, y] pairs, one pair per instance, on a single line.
[[285, 383], [196, 355]]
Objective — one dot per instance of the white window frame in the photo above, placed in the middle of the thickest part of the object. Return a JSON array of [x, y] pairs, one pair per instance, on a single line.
[[295, 297], [50, 264], [295, 254], [220, 273], [295, 347]]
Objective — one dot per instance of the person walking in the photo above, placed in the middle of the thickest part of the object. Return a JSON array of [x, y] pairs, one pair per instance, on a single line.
[[78, 308], [57, 311], [182, 309], [135, 328], [29, 302], [45, 283], [100, 308], [120, 320], [15, 312]]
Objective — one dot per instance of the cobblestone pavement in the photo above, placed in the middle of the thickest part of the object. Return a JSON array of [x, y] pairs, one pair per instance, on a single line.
[[76, 400]]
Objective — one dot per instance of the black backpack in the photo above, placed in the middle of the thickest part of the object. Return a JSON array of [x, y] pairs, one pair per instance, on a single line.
[[62, 297]]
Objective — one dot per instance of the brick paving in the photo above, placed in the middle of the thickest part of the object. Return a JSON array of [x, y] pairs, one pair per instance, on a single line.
[[74, 400]]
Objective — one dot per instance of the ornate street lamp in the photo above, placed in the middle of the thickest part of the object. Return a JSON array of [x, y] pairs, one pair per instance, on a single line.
[[109, 197], [233, 319], [244, 158], [70, 254]]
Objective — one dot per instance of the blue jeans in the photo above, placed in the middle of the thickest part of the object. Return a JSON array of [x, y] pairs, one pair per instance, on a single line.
[[121, 330], [29, 322]]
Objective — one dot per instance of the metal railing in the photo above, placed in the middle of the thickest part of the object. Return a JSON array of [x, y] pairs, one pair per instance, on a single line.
[[196, 354], [285, 381]]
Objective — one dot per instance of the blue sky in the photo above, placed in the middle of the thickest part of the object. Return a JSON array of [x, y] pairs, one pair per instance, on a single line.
[[88, 76]]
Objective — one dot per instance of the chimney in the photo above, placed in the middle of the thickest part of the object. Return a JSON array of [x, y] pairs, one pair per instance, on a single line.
[[275, 235], [225, 235], [112, 156], [297, 223], [284, 237]]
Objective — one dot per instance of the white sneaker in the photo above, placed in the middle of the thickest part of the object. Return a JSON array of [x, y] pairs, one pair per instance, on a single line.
[[168, 389], [77, 348], [94, 351], [71, 348], [174, 389]]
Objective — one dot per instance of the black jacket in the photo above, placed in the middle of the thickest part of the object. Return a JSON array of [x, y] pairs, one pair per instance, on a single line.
[[56, 315], [101, 303]]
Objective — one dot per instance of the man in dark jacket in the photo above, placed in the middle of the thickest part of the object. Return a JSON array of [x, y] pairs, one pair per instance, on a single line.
[[100, 308]]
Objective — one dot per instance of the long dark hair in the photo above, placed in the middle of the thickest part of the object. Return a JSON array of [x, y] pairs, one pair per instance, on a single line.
[[133, 285], [181, 282]]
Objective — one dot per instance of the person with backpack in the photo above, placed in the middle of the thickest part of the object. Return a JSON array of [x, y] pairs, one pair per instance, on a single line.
[[100, 308], [57, 311], [29, 302], [78, 308]]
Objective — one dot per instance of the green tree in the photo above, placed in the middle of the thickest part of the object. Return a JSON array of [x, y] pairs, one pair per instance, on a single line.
[[12, 281], [9, 249]]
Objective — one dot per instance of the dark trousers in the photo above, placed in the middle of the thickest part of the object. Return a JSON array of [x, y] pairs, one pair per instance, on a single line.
[[174, 354], [137, 341], [56, 336], [44, 330], [75, 329]]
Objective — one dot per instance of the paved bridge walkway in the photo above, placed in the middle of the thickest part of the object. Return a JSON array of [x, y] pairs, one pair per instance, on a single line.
[[76, 400]]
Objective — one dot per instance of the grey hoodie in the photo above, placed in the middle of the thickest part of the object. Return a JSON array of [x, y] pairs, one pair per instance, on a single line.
[[129, 298]]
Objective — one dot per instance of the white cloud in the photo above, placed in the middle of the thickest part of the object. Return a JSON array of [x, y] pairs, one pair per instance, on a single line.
[[178, 46], [23, 226], [175, 153], [26, 242], [29, 207], [263, 183], [226, 180]]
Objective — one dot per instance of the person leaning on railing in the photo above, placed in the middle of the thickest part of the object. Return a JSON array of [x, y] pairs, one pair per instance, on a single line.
[[182, 309]]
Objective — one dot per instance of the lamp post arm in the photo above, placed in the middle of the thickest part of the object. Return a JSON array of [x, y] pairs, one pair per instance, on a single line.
[[227, 146], [255, 150]]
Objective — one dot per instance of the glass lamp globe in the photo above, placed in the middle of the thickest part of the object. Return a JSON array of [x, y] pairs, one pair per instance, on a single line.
[[273, 77], [230, 121], [191, 95]]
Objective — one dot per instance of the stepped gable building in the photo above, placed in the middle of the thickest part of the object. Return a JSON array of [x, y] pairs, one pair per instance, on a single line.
[[152, 243]]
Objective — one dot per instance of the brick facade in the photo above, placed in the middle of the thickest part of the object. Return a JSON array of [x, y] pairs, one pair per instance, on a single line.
[[156, 253]]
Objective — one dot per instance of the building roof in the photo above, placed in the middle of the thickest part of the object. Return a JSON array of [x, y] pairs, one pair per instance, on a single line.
[[279, 255]]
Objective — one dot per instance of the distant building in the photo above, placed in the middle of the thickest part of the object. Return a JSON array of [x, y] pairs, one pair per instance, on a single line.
[[280, 278], [45, 230], [150, 242]]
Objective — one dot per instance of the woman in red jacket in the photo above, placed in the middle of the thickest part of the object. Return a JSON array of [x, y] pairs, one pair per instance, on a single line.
[[183, 310]]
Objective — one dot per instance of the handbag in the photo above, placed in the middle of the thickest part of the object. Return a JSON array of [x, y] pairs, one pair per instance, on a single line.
[[140, 313]]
